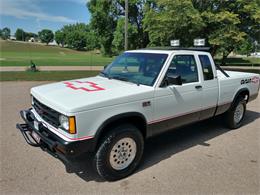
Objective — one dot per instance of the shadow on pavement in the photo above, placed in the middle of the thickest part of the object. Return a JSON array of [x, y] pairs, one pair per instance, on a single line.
[[165, 145]]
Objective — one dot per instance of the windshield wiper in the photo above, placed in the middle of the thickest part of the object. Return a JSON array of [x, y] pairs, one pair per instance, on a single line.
[[104, 74], [124, 79], [120, 78]]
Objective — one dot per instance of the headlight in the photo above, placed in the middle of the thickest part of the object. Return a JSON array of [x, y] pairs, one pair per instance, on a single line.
[[64, 122], [68, 123]]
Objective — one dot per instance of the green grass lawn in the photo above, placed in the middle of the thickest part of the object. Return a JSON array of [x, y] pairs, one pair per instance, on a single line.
[[45, 75], [21, 53], [14, 53]]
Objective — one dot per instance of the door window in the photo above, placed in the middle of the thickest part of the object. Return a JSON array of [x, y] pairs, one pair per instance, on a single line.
[[185, 66], [206, 67]]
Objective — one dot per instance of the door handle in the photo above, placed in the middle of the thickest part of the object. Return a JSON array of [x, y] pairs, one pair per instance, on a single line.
[[198, 86]]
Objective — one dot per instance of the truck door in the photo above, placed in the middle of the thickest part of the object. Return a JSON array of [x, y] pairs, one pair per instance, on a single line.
[[210, 87], [177, 105]]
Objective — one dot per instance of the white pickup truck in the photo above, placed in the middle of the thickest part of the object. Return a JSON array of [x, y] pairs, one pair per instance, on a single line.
[[141, 94]]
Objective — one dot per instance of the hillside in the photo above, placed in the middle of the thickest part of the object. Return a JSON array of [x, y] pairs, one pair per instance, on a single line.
[[14, 53]]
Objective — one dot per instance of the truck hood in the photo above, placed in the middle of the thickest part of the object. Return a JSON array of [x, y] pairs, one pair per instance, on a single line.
[[89, 93]]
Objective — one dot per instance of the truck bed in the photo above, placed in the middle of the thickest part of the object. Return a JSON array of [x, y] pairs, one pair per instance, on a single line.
[[228, 86]]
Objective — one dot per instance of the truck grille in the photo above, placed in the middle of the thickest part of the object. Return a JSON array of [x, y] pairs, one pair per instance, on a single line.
[[46, 113]]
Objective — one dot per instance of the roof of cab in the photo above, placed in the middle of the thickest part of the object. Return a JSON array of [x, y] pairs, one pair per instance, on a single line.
[[170, 50]]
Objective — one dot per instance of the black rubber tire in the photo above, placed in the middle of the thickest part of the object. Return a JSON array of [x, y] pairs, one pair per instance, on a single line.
[[230, 113], [101, 160]]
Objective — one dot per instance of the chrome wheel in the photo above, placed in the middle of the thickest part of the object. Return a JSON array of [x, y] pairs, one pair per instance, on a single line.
[[239, 113], [122, 153]]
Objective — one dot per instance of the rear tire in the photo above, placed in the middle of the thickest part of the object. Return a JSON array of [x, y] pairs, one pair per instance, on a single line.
[[119, 152], [236, 113]]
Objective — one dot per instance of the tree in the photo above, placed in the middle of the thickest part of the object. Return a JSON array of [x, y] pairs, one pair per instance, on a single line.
[[6, 32], [29, 35], [20, 34], [229, 23], [92, 41], [176, 19], [118, 41], [245, 48], [103, 22], [60, 37], [77, 36], [76, 40], [225, 24], [46, 36], [105, 16]]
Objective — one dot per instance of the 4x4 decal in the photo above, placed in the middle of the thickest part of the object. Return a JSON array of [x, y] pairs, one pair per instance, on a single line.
[[250, 80], [86, 86]]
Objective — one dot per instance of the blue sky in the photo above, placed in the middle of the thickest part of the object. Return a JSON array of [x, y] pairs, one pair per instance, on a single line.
[[35, 15]]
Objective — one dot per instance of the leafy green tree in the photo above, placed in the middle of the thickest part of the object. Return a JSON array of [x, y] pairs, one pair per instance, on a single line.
[[74, 35], [60, 37], [6, 32], [29, 35], [229, 23], [104, 22], [92, 41], [46, 36], [225, 24], [245, 48], [105, 16], [176, 19], [76, 40], [118, 41], [78, 36], [20, 34]]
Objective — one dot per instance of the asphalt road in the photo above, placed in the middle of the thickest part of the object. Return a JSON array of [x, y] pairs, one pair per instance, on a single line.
[[202, 158]]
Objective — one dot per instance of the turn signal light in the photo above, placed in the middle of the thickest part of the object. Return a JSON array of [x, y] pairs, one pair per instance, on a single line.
[[72, 125]]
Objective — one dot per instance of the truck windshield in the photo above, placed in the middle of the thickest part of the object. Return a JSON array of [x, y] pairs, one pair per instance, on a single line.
[[139, 68]]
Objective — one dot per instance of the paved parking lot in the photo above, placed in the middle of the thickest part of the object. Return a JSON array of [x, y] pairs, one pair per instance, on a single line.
[[202, 158]]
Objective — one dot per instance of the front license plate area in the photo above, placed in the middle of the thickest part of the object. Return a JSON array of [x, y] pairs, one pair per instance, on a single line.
[[36, 137]]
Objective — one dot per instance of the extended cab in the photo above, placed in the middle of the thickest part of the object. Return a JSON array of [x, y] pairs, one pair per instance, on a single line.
[[141, 94]]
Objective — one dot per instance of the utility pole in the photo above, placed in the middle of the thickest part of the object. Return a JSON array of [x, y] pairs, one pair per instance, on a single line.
[[126, 24]]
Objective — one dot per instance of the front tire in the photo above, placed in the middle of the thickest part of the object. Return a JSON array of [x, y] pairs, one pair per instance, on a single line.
[[119, 152], [236, 113]]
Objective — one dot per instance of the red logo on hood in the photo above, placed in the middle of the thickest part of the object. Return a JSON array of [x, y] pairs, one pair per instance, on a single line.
[[86, 86]]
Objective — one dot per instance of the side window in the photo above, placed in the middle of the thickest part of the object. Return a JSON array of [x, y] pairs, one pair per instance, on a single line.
[[185, 66], [206, 67]]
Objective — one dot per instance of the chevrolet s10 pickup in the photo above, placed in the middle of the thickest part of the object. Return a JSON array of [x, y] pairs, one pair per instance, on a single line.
[[139, 95]]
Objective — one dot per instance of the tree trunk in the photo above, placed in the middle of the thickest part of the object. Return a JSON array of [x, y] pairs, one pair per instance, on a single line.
[[214, 50], [224, 57]]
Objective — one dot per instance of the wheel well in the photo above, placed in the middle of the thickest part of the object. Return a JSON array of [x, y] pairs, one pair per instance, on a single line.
[[242, 93], [137, 120]]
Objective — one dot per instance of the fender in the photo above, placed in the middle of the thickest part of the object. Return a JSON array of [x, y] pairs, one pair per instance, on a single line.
[[241, 91], [142, 123]]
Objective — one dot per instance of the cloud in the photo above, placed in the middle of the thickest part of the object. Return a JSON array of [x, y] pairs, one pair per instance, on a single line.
[[30, 9]]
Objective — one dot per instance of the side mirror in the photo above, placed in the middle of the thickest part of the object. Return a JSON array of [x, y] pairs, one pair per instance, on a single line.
[[173, 80]]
